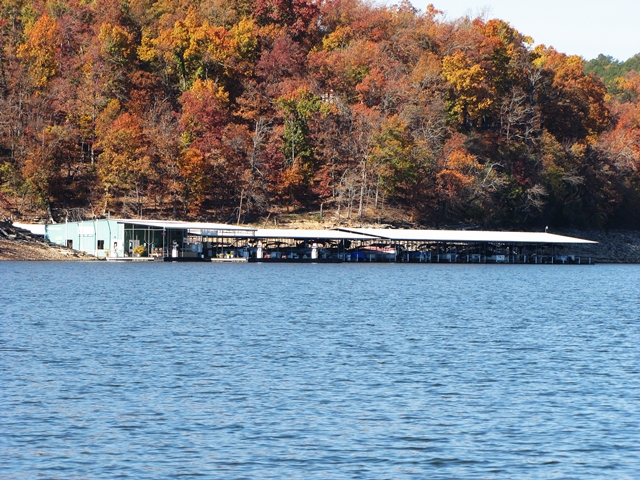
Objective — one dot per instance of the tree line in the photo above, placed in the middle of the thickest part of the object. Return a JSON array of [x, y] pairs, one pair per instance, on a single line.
[[230, 109]]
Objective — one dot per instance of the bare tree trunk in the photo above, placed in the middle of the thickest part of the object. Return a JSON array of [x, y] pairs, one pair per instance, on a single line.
[[240, 207], [94, 116], [138, 204], [362, 187], [258, 137], [49, 212], [293, 151]]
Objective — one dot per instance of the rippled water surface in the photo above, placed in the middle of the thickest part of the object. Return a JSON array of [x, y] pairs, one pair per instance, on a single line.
[[319, 371]]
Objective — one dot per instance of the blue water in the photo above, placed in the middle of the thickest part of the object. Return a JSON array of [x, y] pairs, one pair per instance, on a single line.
[[319, 371]]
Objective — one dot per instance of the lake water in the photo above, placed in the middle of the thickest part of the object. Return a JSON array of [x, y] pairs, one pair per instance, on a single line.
[[319, 371]]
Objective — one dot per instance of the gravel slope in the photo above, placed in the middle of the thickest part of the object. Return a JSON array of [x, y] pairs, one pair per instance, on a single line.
[[19, 244]]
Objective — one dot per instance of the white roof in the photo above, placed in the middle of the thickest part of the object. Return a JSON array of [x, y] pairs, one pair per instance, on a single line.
[[365, 233], [300, 234], [35, 228], [466, 236], [185, 225]]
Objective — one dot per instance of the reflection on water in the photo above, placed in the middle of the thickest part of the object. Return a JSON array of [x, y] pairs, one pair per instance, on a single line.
[[309, 371]]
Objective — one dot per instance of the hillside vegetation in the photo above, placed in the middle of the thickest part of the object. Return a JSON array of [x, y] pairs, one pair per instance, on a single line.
[[232, 110]]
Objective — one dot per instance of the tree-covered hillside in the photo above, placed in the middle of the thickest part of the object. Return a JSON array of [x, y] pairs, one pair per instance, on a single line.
[[612, 71], [231, 109]]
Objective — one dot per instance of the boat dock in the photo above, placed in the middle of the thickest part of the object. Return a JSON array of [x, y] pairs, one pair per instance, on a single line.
[[141, 240]]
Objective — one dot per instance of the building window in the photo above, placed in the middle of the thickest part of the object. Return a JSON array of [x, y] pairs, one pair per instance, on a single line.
[[100, 244], [69, 243]]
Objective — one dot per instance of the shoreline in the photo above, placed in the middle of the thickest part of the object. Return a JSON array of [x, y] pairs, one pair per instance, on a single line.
[[614, 247]]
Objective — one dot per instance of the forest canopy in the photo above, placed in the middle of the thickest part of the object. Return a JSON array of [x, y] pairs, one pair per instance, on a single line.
[[228, 110]]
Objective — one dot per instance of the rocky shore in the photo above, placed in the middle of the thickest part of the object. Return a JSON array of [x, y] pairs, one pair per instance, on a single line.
[[20, 244], [614, 246]]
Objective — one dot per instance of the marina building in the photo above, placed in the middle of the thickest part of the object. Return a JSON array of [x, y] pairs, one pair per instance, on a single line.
[[144, 239]]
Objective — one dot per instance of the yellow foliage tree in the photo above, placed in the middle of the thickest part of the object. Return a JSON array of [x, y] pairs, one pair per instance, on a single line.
[[124, 164], [40, 51]]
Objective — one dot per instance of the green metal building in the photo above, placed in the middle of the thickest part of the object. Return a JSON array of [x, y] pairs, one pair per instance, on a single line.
[[125, 238]]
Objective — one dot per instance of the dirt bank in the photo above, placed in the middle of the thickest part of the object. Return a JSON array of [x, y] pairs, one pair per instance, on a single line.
[[19, 244]]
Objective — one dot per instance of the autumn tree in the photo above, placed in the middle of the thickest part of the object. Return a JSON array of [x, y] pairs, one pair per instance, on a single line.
[[124, 164], [41, 50]]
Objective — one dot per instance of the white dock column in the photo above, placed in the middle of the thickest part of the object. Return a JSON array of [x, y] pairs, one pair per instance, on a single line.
[[314, 252], [259, 250]]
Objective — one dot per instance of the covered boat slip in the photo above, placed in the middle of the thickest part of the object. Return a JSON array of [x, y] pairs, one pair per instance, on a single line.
[[478, 246], [289, 245], [264, 245], [378, 245]]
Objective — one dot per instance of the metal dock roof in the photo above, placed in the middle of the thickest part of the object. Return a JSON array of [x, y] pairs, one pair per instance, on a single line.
[[466, 236], [175, 224], [301, 234]]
